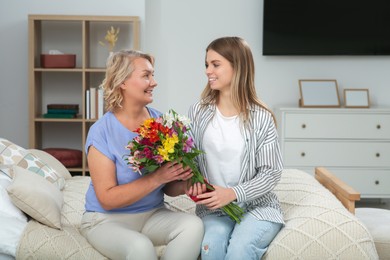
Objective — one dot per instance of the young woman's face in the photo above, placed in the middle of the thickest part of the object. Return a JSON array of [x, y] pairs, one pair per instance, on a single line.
[[140, 84], [219, 71]]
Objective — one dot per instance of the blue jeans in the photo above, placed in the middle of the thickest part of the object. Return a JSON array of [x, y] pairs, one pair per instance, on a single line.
[[224, 239]]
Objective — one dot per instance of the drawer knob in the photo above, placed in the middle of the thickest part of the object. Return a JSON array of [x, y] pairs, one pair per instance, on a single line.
[[303, 154], [377, 182], [303, 126], [378, 155], [378, 126]]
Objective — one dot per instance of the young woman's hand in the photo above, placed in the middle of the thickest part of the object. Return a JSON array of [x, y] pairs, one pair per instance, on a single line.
[[217, 198], [196, 189]]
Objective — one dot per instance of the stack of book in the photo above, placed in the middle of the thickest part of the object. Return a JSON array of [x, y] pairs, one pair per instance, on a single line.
[[62, 111]]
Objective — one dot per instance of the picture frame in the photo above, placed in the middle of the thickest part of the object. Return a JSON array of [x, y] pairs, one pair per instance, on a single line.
[[356, 98], [319, 93]]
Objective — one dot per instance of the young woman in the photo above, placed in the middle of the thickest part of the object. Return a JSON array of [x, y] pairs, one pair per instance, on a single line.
[[125, 214], [242, 157]]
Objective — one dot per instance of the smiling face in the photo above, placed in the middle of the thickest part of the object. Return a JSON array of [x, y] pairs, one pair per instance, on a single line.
[[219, 71], [139, 86]]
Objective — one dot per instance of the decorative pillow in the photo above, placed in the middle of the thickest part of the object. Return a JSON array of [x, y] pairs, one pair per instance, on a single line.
[[9, 152], [11, 230], [52, 161], [12, 154], [36, 197], [7, 208], [68, 157]]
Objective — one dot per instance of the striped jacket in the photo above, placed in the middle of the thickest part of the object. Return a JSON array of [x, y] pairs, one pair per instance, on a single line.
[[261, 163]]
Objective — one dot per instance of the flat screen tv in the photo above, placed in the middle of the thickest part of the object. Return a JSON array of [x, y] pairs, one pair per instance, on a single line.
[[326, 27]]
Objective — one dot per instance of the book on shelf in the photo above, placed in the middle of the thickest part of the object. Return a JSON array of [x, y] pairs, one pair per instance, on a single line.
[[62, 111], [94, 103], [100, 103], [87, 104], [63, 106], [57, 115]]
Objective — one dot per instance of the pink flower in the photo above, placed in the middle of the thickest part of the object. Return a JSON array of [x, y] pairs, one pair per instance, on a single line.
[[158, 158], [148, 153], [188, 145]]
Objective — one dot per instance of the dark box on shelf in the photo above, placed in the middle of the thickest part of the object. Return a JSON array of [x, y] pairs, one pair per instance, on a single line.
[[58, 60]]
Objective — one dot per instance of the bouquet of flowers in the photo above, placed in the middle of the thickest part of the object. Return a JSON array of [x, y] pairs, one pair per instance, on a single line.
[[165, 139]]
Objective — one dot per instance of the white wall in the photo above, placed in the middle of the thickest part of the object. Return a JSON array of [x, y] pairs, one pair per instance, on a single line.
[[177, 32]]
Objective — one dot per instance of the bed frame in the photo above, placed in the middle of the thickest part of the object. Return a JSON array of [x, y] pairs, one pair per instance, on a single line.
[[345, 193]]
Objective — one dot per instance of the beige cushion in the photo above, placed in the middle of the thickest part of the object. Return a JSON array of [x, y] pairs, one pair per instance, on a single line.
[[378, 223], [36, 197], [12, 154]]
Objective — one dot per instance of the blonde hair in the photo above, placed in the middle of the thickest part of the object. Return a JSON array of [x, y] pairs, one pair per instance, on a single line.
[[119, 68], [243, 90]]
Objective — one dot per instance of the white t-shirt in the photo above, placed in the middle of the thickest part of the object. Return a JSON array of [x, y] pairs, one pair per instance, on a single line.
[[223, 144]]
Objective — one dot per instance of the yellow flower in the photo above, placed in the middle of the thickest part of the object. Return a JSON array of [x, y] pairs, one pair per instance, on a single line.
[[168, 146], [163, 153], [169, 143]]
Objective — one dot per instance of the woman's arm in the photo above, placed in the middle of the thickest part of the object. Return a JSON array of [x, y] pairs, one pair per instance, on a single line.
[[111, 195]]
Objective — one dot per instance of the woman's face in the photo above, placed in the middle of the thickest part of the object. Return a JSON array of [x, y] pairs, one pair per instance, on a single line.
[[219, 71], [140, 84]]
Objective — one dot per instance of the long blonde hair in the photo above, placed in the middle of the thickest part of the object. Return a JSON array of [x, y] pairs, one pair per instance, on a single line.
[[243, 90], [119, 68]]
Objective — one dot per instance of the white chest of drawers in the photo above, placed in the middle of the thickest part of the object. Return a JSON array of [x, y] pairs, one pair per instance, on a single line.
[[353, 143]]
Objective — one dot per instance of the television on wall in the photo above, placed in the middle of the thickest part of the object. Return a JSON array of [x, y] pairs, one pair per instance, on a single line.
[[326, 27]]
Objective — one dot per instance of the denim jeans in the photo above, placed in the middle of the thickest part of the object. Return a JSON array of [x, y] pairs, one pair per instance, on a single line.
[[224, 239]]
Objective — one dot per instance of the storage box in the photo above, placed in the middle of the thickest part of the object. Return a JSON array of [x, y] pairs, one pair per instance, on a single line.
[[58, 60]]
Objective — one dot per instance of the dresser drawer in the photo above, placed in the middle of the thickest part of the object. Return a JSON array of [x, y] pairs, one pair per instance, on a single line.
[[336, 154], [369, 182], [341, 126]]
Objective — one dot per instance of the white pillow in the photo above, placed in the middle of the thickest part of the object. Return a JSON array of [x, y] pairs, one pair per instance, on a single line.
[[11, 230], [37, 197], [7, 208]]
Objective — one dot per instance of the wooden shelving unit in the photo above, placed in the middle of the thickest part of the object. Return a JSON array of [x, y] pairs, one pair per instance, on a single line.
[[70, 34]]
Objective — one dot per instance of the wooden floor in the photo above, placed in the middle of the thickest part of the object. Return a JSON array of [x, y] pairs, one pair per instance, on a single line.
[[373, 203]]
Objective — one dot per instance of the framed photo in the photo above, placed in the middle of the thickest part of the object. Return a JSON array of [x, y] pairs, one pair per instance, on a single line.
[[319, 93], [356, 98]]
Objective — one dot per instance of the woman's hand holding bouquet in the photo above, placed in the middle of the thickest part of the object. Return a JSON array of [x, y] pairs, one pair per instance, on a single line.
[[165, 139]]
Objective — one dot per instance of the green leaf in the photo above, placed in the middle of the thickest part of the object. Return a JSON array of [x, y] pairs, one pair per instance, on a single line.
[[151, 168]]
